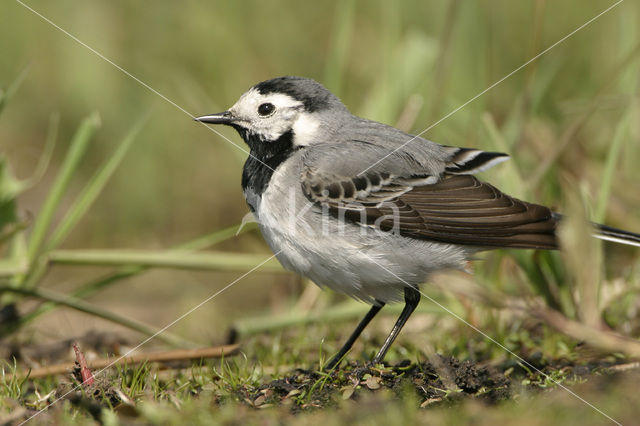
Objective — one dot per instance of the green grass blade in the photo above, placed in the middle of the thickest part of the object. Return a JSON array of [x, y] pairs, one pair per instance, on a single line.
[[17, 251], [612, 159], [345, 311], [45, 157], [442, 64], [93, 188], [10, 186], [76, 151], [5, 95], [181, 259], [216, 237], [582, 257], [628, 83], [513, 183], [339, 44], [129, 271], [96, 285], [10, 267]]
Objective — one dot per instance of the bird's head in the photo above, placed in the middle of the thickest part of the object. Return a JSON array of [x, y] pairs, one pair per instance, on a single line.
[[295, 108]]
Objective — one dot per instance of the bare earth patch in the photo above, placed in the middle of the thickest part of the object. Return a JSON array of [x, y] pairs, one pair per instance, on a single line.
[[443, 378]]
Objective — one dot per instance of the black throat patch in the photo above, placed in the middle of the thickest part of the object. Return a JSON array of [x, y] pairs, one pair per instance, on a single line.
[[265, 158]]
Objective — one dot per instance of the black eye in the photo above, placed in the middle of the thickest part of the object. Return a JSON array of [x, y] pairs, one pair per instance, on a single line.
[[266, 109]]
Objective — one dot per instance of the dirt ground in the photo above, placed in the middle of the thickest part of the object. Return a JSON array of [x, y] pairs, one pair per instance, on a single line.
[[434, 381]]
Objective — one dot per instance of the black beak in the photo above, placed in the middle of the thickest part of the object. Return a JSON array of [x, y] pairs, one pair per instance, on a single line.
[[219, 118]]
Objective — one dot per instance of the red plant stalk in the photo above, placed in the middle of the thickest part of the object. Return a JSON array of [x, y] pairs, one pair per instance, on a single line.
[[85, 373]]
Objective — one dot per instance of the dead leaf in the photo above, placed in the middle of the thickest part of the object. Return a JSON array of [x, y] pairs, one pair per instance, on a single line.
[[373, 382], [259, 400], [348, 392]]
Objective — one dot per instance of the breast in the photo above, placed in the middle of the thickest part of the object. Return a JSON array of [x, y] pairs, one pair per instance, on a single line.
[[278, 211]]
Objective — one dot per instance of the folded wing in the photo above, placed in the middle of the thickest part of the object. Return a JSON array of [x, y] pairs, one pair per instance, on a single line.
[[453, 207]]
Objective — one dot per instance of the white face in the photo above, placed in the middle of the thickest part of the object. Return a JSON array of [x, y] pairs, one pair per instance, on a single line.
[[272, 115]]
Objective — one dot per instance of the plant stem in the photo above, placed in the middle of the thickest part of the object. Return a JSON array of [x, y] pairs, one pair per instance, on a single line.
[[164, 356], [345, 311], [129, 271], [180, 259], [82, 306]]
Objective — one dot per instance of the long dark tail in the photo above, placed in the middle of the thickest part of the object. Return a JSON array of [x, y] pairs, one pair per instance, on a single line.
[[608, 233], [617, 235]]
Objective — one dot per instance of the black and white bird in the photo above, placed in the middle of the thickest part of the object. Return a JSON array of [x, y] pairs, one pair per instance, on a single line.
[[366, 209]]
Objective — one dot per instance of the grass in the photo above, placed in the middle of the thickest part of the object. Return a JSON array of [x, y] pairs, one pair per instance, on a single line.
[[33, 252], [250, 388], [104, 225]]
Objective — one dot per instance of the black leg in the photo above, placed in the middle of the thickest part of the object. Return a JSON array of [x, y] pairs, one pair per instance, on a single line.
[[354, 336], [411, 298]]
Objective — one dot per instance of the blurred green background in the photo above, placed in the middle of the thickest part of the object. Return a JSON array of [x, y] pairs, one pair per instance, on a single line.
[[403, 63]]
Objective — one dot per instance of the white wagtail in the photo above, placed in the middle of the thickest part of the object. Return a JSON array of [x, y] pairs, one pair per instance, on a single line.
[[376, 210]]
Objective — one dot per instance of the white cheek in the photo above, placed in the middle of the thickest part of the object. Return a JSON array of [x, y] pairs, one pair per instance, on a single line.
[[273, 129], [304, 129]]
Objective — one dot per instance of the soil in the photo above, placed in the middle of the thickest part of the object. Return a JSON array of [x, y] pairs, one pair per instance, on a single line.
[[440, 380]]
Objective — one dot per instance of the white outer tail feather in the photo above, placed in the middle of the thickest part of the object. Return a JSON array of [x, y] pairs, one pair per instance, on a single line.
[[617, 240], [608, 233]]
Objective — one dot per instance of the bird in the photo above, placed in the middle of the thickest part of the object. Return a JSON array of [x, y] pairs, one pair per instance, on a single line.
[[366, 209]]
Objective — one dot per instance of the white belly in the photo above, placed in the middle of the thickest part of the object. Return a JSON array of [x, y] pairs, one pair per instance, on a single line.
[[359, 261]]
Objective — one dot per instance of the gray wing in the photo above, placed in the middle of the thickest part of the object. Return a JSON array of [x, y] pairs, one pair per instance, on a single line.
[[427, 193]]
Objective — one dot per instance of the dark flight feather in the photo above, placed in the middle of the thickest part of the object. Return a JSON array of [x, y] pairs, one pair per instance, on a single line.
[[458, 209]]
